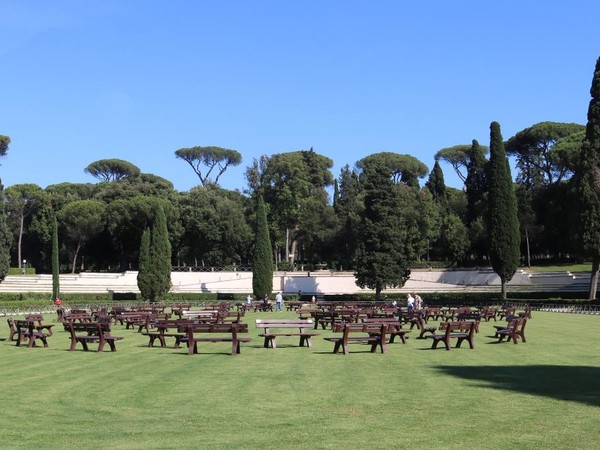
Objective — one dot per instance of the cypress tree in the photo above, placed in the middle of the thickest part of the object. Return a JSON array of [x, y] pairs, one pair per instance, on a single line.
[[5, 239], [154, 275], [588, 184], [503, 222], [262, 260], [436, 184], [55, 260], [144, 277], [160, 254]]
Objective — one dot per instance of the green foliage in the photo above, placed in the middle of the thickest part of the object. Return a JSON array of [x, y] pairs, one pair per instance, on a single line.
[[436, 184], [215, 228], [403, 168], [214, 158], [55, 260], [262, 259], [4, 143], [145, 275], [5, 239], [154, 275], [81, 221], [588, 184], [389, 235], [293, 186], [459, 157], [503, 225], [112, 169], [541, 158]]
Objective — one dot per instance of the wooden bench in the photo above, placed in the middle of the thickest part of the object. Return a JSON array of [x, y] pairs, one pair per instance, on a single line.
[[375, 335], [12, 330], [289, 324], [423, 328], [79, 317], [150, 319], [228, 332], [461, 331], [394, 327], [488, 313], [514, 330], [470, 317], [92, 332], [29, 330], [168, 328]]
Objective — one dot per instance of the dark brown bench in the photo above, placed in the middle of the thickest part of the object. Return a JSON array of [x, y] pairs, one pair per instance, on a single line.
[[79, 317], [92, 332], [148, 321], [29, 330], [359, 332], [488, 313], [166, 329], [214, 332], [514, 329], [461, 331], [289, 324], [394, 327]]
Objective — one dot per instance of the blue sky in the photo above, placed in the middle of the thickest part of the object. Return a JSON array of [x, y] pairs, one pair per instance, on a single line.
[[137, 80]]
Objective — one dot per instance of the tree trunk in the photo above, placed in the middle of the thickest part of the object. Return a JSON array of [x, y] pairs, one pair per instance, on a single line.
[[594, 278], [19, 258], [503, 288], [75, 256]]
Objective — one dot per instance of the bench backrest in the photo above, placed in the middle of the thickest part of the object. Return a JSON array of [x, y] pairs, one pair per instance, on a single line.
[[468, 316], [35, 318], [92, 328], [458, 326], [215, 328], [284, 323]]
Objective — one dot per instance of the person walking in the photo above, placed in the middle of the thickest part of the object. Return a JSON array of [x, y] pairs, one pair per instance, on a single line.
[[278, 301]]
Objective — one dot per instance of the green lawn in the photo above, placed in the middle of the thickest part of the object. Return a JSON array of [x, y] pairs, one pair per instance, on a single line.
[[542, 394]]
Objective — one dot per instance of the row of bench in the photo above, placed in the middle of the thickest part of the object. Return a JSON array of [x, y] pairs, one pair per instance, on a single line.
[[374, 331]]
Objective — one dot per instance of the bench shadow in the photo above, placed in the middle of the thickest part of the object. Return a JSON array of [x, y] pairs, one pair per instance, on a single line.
[[570, 383]]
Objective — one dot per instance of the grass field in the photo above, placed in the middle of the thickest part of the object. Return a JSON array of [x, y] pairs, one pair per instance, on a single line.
[[539, 395]]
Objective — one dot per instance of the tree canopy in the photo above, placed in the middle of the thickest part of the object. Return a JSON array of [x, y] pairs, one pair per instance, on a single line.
[[4, 143], [402, 168], [112, 169], [458, 157], [541, 158], [214, 158]]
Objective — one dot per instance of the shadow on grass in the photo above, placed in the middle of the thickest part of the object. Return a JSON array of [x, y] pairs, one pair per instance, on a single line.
[[572, 383]]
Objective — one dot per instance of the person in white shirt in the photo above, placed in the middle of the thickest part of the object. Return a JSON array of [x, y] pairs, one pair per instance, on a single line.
[[278, 301], [410, 302]]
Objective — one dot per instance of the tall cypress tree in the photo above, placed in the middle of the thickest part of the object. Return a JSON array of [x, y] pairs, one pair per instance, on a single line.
[[160, 253], [55, 260], [144, 277], [587, 180], [262, 259], [5, 239], [503, 222], [154, 275]]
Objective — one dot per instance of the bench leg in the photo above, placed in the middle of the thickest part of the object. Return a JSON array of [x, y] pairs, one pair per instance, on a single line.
[[306, 339], [336, 347]]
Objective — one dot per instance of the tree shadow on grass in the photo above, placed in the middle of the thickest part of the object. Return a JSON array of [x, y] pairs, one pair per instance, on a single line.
[[572, 383]]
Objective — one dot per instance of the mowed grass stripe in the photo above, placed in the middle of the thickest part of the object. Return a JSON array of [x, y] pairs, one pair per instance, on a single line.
[[536, 395]]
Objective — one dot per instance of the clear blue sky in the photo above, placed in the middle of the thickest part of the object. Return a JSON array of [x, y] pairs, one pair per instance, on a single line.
[[137, 80]]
